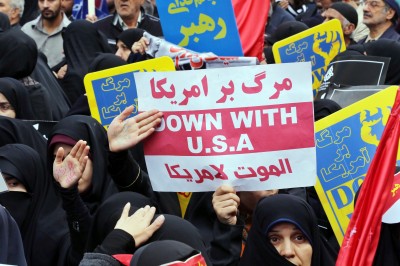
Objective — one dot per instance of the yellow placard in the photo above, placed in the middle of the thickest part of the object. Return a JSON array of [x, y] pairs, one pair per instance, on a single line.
[[319, 45], [110, 91], [346, 143]]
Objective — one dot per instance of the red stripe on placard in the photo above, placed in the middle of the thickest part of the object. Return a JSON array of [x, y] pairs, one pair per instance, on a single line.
[[234, 130]]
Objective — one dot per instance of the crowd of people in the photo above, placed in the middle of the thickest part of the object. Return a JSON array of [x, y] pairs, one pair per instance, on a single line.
[[82, 195]]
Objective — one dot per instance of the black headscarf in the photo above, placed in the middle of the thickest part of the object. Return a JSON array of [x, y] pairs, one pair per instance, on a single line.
[[18, 97], [105, 61], [43, 226], [82, 43], [108, 214], [324, 107], [130, 36], [174, 227], [18, 131], [387, 48], [12, 249], [4, 22], [60, 104], [163, 252], [79, 127], [18, 54], [284, 208]]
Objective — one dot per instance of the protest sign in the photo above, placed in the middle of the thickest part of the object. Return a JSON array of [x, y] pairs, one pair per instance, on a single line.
[[318, 45], [202, 26], [346, 142], [392, 216], [3, 184], [250, 127], [82, 8], [355, 70], [110, 91], [346, 96]]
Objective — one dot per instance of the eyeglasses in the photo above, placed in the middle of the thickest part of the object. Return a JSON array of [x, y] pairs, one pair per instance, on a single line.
[[373, 4], [4, 106]]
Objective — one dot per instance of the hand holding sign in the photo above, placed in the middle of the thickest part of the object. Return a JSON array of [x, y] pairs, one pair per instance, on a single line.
[[125, 133], [68, 171], [226, 203]]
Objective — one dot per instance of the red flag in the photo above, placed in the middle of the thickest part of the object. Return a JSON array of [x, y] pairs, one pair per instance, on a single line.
[[362, 235], [251, 18]]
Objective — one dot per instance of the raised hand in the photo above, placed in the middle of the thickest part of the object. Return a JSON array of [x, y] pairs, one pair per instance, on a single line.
[[124, 133], [67, 171], [226, 203], [138, 224], [140, 46]]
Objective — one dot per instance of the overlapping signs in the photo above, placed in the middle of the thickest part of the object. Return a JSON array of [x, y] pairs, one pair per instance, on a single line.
[[110, 91], [202, 26], [346, 142], [250, 127], [318, 45]]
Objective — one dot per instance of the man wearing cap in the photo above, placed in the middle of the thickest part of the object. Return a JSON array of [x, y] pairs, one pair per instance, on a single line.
[[347, 15], [380, 16]]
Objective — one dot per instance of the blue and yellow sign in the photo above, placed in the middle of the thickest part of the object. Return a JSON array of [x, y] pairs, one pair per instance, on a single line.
[[201, 25], [319, 45], [346, 143], [110, 91]]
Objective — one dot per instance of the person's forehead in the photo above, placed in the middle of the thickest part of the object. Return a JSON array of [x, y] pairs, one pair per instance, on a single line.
[[334, 13], [5, 2], [3, 98], [377, 1]]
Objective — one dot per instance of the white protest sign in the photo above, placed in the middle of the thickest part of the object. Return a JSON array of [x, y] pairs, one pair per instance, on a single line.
[[3, 185], [251, 127], [391, 216]]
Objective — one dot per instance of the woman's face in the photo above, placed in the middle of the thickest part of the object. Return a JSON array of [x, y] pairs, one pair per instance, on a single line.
[[291, 243], [123, 51], [6, 108], [13, 184], [86, 179]]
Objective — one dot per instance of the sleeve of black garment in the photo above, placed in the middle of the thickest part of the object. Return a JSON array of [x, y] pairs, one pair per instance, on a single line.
[[117, 242], [226, 246], [79, 221], [127, 174]]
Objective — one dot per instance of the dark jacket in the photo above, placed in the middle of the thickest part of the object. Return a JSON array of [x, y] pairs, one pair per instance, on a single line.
[[111, 29], [390, 34], [223, 242]]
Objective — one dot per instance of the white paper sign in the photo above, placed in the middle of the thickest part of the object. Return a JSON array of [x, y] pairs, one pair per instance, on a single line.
[[3, 185], [250, 127], [392, 215]]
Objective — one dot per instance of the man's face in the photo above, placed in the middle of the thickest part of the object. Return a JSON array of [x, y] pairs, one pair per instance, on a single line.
[[50, 9], [376, 12], [127, 8], [5, 7], [66, 6], [331, 13], [323, 4]]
